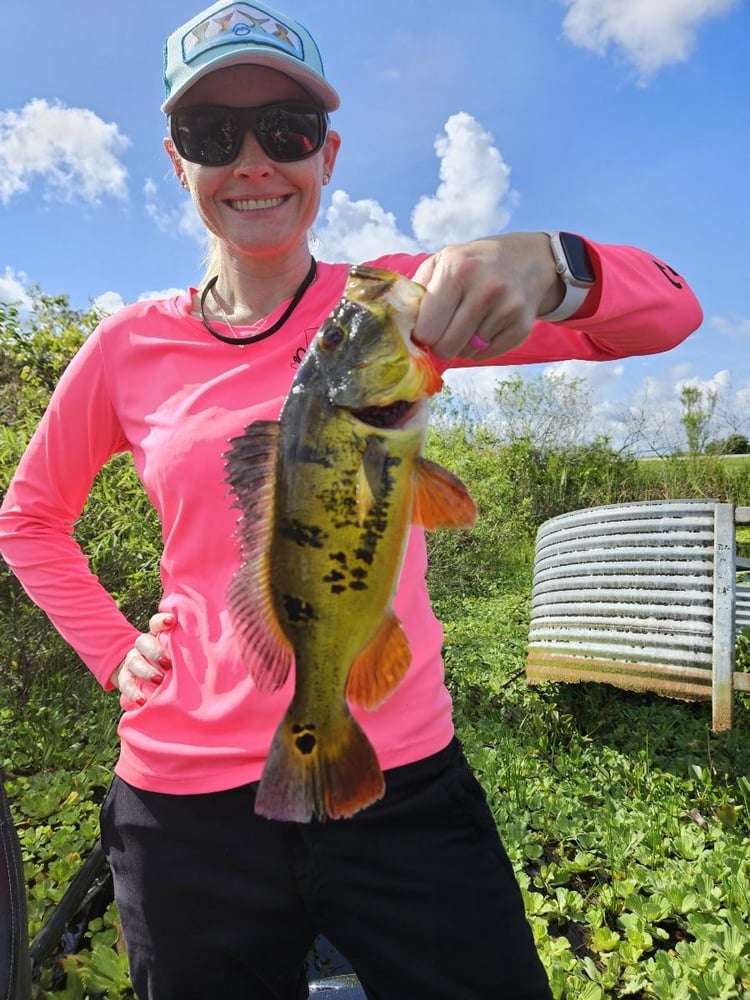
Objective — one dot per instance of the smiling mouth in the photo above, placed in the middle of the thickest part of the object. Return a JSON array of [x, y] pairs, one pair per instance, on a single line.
[[255, 204]]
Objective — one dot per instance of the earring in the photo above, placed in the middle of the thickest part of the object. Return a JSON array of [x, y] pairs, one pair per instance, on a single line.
[[326, 178]]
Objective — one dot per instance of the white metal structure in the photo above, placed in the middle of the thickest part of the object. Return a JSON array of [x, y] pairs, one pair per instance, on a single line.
[[643, 596]]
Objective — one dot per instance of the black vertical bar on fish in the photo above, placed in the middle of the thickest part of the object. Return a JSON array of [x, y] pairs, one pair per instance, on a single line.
[[15, 967]]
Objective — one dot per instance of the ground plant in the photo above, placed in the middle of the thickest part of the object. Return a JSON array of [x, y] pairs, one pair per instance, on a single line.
[[626, 819]]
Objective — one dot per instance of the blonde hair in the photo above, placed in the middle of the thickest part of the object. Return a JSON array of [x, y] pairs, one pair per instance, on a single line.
[[212, 259]]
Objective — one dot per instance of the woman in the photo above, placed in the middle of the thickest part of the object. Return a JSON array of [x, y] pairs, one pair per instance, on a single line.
[[215, 901]]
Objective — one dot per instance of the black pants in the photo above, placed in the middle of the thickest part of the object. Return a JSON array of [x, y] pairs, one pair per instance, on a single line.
[[416, 891]]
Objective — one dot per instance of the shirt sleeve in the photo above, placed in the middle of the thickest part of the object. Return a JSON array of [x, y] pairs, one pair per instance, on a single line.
[[78, 433], [639, 305]]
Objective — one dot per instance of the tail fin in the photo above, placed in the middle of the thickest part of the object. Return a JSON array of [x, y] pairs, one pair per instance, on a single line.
[[321, 772]]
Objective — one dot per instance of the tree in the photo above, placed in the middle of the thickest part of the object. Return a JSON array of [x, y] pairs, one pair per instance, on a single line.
[[698, 406], [733, 444], [552, 412]]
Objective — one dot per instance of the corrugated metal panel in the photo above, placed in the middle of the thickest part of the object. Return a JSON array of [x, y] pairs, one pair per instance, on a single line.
[[627, 594]]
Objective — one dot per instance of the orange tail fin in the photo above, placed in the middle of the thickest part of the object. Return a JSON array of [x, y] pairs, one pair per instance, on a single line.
[[322, 772]]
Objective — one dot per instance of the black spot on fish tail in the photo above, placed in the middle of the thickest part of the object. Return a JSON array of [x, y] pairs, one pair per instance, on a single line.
[[305, 743], [337, 588], [338, 556], [365, 555], [357, 585], [333, 577], [359, 573], [297, 610]]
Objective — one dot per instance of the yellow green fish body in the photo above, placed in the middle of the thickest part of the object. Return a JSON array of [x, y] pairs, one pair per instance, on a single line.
[[328, 494]]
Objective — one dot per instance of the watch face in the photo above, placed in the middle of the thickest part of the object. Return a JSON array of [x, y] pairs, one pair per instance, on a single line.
[[578, 257]]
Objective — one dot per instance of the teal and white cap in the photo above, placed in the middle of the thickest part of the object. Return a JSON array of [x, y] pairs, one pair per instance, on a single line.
[[229, 34]]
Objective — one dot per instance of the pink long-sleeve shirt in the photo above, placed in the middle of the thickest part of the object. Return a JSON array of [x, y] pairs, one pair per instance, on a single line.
[[151, 380]]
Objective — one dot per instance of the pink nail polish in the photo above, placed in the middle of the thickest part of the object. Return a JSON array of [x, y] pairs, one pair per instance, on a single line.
[[157, 679], [164, 661]]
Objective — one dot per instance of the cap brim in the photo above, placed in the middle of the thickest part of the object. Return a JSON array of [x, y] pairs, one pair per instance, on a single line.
[[319, 89]]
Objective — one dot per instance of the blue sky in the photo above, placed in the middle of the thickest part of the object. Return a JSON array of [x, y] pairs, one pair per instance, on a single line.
[[625, 120]]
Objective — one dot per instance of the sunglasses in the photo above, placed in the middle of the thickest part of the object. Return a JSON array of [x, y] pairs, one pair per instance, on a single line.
[[212, 135]]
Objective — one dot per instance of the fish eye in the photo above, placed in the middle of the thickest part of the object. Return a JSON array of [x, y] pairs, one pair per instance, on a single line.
[[331, 337]]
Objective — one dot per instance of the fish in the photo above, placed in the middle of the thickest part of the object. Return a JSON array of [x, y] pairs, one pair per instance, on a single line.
[[326, 497]]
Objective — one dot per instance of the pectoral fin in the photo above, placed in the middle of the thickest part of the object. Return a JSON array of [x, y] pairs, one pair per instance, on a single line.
[[251, 473], [380, 667], [440, 499], [370, 477]]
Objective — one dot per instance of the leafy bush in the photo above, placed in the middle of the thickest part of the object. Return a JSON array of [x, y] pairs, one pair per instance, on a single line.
[[118, 529]]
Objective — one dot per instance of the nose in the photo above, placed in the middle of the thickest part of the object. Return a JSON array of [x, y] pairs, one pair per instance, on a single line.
[[251, 159]]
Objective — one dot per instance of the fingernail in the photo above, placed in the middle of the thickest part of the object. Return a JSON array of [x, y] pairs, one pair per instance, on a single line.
[[168, 619], [157, 678], [164, 661], [140, 700]]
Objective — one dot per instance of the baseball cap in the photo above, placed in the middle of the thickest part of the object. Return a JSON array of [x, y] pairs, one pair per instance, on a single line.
[[228, 34]]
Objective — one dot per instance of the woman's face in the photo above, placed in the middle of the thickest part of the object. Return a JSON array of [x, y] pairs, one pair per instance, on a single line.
[[254, 204]]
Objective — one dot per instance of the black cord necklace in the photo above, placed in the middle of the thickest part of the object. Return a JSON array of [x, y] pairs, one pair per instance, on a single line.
[[242, 341]]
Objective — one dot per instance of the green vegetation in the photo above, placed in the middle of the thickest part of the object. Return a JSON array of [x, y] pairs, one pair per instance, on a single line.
[[626, 819]]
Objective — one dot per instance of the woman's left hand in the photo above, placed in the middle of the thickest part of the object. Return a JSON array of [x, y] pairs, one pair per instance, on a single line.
[[492, 289]]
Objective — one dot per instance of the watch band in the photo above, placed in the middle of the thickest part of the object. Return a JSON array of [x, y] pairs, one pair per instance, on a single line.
[[576, 287]]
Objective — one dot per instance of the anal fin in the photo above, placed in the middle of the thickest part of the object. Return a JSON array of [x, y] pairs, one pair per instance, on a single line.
[[380, 667]]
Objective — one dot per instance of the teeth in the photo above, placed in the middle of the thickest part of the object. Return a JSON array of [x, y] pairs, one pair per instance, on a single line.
[[251, 204]]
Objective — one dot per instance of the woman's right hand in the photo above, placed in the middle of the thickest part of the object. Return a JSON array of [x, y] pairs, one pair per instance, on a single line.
[[143, 668]]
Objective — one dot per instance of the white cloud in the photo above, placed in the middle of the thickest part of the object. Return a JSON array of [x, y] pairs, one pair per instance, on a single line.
[[359, 230], [70, 150], [183, 220], [602, 376], [13, 289], [163, 293], [477, 385], [650, 33], [474, 197], [108, 303], [720, 383], [681, 370], [734, 326]]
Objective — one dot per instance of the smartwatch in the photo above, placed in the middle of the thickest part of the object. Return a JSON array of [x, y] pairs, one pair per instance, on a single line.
[[573, 264]]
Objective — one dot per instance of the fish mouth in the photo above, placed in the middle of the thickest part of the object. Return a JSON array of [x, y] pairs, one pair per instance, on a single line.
[[386, 417]]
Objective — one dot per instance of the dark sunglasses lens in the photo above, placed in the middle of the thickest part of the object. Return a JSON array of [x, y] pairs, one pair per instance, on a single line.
[[213, 135], [288, 134], [210, 136]]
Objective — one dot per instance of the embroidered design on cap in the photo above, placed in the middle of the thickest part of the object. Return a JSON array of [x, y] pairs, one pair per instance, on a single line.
[[240, 22]]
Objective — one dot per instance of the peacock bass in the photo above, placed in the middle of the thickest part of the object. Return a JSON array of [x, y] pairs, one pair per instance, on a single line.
[[327, 495]]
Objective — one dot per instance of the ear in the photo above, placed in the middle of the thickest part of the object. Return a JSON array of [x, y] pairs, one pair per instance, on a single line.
[[331, 151], [177, 164]]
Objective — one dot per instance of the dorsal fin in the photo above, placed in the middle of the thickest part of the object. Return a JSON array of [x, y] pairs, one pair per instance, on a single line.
[[251, 473]]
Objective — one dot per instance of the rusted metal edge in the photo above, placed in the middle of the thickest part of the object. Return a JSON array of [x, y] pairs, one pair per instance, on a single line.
[[657, 683]]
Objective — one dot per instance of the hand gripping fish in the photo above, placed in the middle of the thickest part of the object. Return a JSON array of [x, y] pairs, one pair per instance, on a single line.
[[327, 495]]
